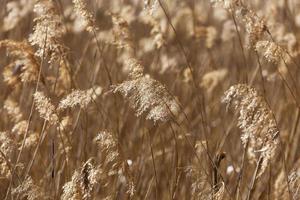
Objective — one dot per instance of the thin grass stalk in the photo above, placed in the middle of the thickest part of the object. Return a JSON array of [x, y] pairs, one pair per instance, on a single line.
[[181, 48], [269, 182], [294, 138], [254, 178], [202, 109], [153, 164], [261, 74], [103, 58], [9, 165], [29, 118], [282, 153], [241, 173], [43, 134], [175, 162], [241, 44], [210, 159]]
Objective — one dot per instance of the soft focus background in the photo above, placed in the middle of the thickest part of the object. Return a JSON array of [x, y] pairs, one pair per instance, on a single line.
[[122, 99]]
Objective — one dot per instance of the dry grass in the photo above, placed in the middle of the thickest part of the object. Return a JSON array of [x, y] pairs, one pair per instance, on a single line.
[[153, 99]]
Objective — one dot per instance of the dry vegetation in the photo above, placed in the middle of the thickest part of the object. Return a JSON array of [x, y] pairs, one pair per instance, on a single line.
[[153, 99]]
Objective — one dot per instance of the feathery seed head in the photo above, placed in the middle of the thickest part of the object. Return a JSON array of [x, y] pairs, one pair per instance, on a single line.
[[87, 18], [136, 69], [16, 11], [122, 34], [256, 121], [148, 96], [282, 187], [7, 144], [109, 145], [80, 98], [48, 31], [25, 66], [45, 107], [29, 190], [211, 79], [13, 110], [226, 4], [150, 6], [82, 183], [255, 26], [271, 51]]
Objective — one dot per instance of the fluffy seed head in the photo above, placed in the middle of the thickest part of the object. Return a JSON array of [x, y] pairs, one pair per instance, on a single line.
[[87, 18], [13, 110], [7, 144], [80, 98], [48, 31], [16, 11], [29, 190], [25, 65], [109, 145], [271, 51], [211, 79], [282, 187], [82, 183], [146, 95], [45, 107], [256, 121]]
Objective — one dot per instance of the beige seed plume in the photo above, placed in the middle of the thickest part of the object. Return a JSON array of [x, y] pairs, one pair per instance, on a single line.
[[29, 190], [255, 26], [219, 195], [157, 34], [5, 173], [45, 107], [8, 148], [7, 145], [294, 183], [281, 190], [271, 51], [118, 166], [200, 188], [108, 144], [20, 127], [210, 36], [72, 189], [227, 4], [48, 31], [16, 11], [91, 176], [24, 66], [82, 183], [80, 98], [211, 79], [13, 110], [87, 18], [146, 95], [122, 34], [256, 121], [150, 5]]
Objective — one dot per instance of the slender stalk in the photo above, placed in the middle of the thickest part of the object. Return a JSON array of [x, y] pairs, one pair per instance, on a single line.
[[254, 178], [154, 167], [240, 175]]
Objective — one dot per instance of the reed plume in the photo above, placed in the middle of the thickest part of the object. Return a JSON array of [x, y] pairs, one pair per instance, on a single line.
[[24, 66], [45, 107], [147, 95], [259, 130], [82, 183], [86, 17], [48, 31], [80, 98]]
